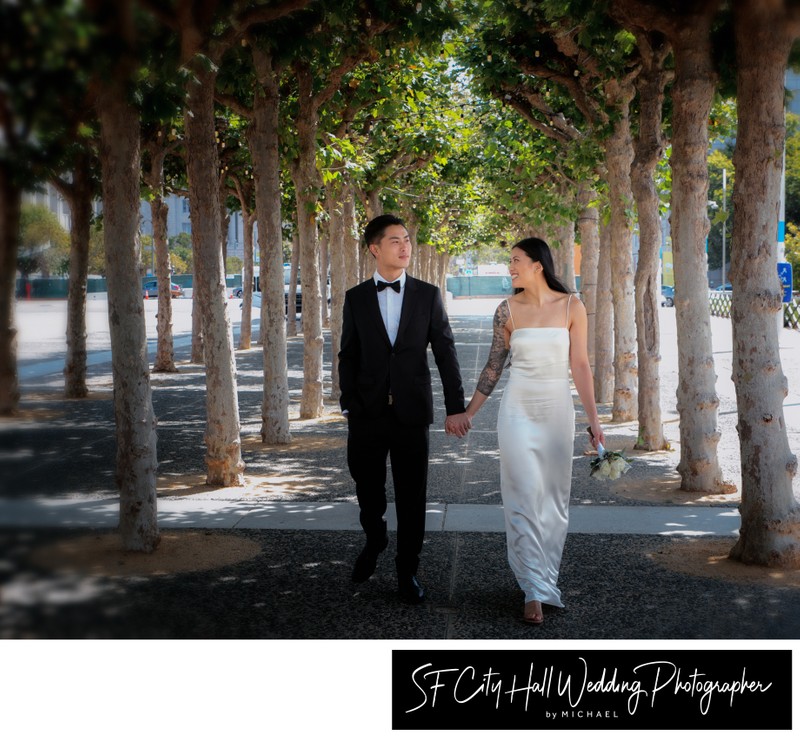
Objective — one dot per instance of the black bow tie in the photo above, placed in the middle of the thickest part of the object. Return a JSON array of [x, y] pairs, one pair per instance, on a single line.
[[394, 285]]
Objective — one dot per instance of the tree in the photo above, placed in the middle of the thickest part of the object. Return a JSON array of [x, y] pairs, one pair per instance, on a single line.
[[250, 86], [203, 48], [44, 244], [75, 176], [573, 48], [157, 145], [770, 531], [120, 162], [316, 85], [688, 28], [319, 71], [79, 191], [41, 46], [649, 148], [180, 253], [162, 93], [97, 258]]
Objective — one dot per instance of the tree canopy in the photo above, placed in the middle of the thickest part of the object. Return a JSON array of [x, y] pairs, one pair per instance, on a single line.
[[466, 115]]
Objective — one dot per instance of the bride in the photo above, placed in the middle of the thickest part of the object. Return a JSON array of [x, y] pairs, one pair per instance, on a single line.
[[543, 329]]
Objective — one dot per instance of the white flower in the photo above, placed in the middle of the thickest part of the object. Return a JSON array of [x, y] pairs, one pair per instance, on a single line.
[[609, 465], [618, 467]]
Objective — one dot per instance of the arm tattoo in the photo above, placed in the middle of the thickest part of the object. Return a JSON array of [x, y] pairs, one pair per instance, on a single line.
[[498, 353]]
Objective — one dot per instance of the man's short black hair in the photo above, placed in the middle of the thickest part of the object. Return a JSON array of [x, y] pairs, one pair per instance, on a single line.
[[375, 229]]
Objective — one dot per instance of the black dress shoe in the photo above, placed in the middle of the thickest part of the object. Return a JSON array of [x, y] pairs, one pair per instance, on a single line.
[[410, 590], [366, 562]]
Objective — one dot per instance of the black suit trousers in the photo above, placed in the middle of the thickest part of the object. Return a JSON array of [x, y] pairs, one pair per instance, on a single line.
[[370, 442]]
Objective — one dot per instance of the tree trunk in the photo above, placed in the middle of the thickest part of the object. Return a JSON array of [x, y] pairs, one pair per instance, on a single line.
[[136, 463], [291, 295], [307, 183], [692, 95], [336, 237], [604, 324], [264, 141], [444, 264], [414, 263], [436, 263], [352, 238], [565, 237], [223, 445], [588, 228], [366, 265], [224, 223], [619, 155], [79, 196], [165, 351], [246, 327], [649, 150], [427, 262], [324, 260], [10, 207], [770, 531], [198, 344], [374, 204]]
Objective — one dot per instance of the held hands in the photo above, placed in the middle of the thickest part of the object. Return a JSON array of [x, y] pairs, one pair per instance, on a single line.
[[457, 425], [596, 434]]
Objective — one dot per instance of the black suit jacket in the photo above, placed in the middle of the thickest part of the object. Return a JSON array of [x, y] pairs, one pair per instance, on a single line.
[[370, 367]]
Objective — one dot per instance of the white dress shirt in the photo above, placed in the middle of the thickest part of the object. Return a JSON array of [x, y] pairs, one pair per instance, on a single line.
[[390, 303]]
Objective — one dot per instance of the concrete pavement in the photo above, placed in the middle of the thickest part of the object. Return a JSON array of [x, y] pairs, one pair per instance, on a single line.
[[298, 508]]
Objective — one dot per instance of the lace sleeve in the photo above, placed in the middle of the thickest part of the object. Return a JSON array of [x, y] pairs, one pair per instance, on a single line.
[[498, 353]]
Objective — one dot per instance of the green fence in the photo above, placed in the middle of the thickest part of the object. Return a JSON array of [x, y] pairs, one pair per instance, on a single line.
[[484, 286], [720, 303], [53, 289], [479, 286], [39, 288]]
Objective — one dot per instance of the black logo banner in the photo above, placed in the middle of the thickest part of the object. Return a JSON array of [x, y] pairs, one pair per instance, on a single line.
[[594, 690]]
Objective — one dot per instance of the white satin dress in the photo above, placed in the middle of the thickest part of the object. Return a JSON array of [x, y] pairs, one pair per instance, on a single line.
[[536, 433]]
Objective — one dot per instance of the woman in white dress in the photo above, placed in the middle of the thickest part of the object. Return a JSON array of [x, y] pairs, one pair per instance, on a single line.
[[543, 327]]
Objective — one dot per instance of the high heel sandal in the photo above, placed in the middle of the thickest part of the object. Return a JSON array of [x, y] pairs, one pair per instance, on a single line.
[[535, 618]]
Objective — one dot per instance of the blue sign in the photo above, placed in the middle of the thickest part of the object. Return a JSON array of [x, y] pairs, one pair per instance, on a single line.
[[785, 275]]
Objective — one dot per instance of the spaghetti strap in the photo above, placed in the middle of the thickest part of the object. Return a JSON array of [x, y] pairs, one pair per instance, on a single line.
[[511, 315], [569, 299]]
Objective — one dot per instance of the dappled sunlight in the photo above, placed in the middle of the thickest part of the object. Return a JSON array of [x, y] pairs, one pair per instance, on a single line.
[[178, 551], [174, 485], [31, 415], [28, 590], [300, 444], [710, 557], [282, 485], [665, 489]]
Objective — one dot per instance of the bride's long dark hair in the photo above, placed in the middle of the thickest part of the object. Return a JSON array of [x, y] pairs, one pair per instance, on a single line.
[[539, 251]]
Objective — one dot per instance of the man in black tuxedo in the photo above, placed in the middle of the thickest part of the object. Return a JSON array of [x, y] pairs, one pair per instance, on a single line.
[[385, 380]]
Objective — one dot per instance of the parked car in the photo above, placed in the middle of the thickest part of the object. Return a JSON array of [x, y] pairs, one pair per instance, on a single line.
[[667, 295], [257, 300], [257, 293], [298, 296], [298, 300], [150, 289], [727, 287]]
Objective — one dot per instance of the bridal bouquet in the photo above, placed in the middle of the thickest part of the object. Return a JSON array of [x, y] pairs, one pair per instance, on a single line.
[[608, 464]]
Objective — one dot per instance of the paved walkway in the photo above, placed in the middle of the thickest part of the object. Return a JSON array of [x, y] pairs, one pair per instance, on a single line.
[[57, 484], [205, 510]]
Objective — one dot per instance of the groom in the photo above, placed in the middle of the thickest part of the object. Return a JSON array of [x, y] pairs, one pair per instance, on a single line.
[[385, 380]]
